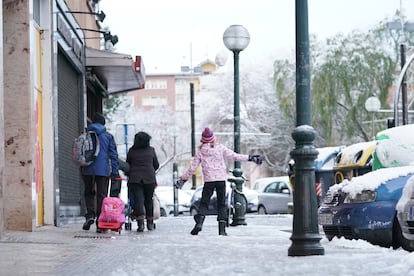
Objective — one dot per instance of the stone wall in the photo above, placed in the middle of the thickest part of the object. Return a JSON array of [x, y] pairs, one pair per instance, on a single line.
[[18, 117], [1, 126]]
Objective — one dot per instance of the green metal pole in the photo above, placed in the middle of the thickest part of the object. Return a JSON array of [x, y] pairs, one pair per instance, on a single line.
[[305, 234], [193, 145], [404, 88], [239, 208]]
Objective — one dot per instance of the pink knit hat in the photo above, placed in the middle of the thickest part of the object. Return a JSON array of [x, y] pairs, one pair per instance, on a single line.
[[207, 136]]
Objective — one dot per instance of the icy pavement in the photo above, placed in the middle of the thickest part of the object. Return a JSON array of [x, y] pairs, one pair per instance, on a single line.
[[260, 248]]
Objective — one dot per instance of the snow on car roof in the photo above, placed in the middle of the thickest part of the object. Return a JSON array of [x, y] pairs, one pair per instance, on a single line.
[[395, 147], [371, 180], [323, 154], [348, 153]]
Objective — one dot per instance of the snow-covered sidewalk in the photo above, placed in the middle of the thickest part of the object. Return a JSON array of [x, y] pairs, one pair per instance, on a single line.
[[260, 248]]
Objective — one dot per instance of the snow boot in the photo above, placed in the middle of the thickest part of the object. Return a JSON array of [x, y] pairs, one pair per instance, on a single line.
[[87, 225], [150, 223], [222, 228], [199, 219], [140, 223]]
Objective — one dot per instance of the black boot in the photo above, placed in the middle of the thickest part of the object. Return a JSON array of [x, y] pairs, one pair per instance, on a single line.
[[88, 223], [222, 228], [150, 223], [199, 219], [140, 223]]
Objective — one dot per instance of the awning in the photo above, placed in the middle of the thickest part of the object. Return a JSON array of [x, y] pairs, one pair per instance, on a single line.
[[120, 72]]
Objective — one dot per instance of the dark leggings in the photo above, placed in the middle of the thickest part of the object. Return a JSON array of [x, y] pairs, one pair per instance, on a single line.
[[208, 189], [140, 196], [96, 189]]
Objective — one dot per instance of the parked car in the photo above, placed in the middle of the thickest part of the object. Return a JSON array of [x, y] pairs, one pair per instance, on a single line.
[[405, 215], [212, 207], [261, 183], [275, 194], [365, 207], [165, 195], [250, 196]]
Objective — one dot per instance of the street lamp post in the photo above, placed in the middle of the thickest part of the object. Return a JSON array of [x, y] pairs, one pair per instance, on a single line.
[[124, 136], [174, 132], [305, 233], [193, 144], [372, 104], [236, 38]]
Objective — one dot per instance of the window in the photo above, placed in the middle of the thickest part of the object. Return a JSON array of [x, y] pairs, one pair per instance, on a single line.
[[156, 84], [276, 187], [154, 101], [271, 188], [283, 188], [36, 11]]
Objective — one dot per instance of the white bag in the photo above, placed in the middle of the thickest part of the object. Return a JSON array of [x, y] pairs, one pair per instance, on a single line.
[[156, 204]]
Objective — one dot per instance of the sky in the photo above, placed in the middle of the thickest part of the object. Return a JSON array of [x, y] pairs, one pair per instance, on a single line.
[[169, 34]]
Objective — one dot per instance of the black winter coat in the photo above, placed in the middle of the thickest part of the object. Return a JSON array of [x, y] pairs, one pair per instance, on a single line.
[[142, 165]]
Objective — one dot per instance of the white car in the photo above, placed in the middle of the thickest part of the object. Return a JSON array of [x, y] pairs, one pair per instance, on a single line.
[[165, 195], [405, 215], [275, 195], [260, 183]]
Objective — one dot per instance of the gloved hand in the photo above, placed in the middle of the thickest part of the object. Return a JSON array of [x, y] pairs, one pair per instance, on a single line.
[[115, 176], [179, 183], [256, 159]]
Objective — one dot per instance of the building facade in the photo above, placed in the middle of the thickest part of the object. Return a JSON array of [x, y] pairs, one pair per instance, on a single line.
[[53, 78]]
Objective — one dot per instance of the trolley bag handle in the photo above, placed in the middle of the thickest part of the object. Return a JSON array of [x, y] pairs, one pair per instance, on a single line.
[[115, 187]]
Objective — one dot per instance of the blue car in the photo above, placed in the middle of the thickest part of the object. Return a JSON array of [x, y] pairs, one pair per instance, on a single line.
[[365, 207]]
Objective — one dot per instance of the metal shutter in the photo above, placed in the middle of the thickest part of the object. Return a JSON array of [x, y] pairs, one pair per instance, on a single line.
[[69, 126]]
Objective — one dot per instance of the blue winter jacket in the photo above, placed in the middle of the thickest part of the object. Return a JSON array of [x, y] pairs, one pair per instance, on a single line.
[[106, 163]]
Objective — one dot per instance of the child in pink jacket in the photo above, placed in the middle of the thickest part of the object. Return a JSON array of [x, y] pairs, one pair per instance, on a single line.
[[211, 156]]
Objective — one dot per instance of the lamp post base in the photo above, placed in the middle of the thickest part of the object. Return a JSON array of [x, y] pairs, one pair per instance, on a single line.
[[306, 245], [305, 233]]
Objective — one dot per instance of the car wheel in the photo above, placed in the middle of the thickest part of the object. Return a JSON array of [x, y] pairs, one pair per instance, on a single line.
[[261, 210], [193, 212], [162, 212], [328, 236], [398, 238]]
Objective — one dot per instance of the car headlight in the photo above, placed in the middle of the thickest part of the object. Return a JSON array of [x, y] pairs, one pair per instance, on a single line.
[[254, 201], [364, 196]]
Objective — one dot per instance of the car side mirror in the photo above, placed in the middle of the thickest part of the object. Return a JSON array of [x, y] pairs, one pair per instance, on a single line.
[[285, 191]]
